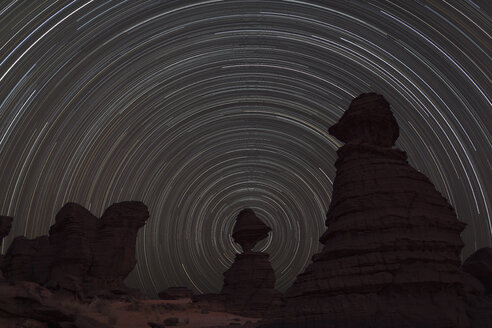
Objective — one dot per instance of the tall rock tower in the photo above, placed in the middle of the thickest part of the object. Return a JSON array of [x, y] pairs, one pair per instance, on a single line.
[[392, 244]]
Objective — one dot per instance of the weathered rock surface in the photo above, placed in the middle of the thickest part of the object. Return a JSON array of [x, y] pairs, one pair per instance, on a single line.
[[28, 260], [358, 125], [391, 249], [249, 230], [479, 265], [72, 239], [114, 257], [174, 293], [83, 255], [27, 304], [249, 285], [477, 277]]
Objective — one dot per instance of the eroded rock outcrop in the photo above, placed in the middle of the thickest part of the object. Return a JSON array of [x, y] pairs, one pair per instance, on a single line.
[[72, 238], [83, 255], [27, 304], [114, 256], [392, 244], [477, 277], [28, 260]]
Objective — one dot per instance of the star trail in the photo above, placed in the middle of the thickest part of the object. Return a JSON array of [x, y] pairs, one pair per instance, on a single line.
[[202, 108]]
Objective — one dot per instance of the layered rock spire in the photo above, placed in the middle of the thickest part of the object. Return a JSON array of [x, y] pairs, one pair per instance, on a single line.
[[392, 244]]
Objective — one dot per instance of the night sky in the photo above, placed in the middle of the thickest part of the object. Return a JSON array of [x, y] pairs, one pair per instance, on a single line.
[[202, 108]]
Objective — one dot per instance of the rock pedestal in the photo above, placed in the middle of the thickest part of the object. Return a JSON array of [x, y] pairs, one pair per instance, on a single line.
[[249, 284], [392, 244]]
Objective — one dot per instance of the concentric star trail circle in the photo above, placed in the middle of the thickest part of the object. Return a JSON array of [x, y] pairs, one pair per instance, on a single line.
[[202, 108]]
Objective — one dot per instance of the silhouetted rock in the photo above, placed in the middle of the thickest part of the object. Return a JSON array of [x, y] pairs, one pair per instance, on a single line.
[[376, 126], [82, 255], [477, 277], [114, 244], [249, 230], [5, 226], [174, 293], [72, 239], [479, 265], [28, 260], [249, 285], [391, 249]]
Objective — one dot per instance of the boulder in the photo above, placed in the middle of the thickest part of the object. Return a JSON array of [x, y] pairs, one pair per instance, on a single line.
[[249, 230]]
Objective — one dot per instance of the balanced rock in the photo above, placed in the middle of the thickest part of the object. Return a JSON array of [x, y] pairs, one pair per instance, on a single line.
[[249, 284], [392, 244], [249, 230]]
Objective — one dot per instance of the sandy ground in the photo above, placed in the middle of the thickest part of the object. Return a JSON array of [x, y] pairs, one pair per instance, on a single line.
[[138, 314]]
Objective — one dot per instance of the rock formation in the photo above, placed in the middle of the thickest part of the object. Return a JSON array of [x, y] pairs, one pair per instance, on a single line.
[[28, 260], [249, 230], [249, 284], [392, 244], [26, 304], [115, 238], [5, 226], [72, 239], [477, 276], [82, 254], [174, 293]]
